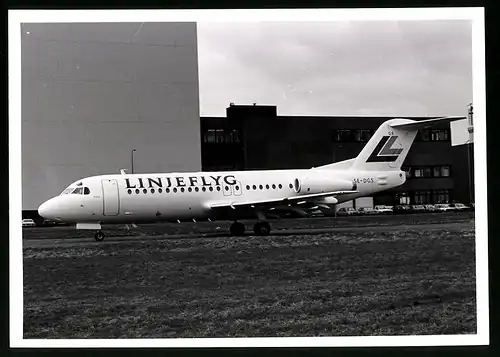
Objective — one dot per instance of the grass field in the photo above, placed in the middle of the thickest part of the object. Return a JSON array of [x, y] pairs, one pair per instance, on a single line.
[[336, 284]]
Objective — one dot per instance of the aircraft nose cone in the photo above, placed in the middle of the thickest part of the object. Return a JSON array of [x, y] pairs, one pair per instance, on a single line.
[[45, 209]]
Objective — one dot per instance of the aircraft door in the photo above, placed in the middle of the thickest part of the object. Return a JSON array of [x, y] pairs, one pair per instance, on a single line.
[[237, 190], [111, 203]]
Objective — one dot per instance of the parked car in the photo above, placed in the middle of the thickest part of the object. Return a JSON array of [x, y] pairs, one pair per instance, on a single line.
[[401, 209], [417, 209], [459, 207], [366, 211], [430, 208], [444, 207], [49, 223], [28, 222], [347, 211], [383, 209]]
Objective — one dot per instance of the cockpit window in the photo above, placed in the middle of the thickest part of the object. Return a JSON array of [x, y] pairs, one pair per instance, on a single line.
[[77, 191], [67, 191], [86, 191]]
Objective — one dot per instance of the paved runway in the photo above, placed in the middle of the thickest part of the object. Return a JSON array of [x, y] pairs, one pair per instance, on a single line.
[[48, 242]]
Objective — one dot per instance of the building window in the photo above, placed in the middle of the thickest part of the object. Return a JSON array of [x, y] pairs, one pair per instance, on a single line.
[[219, 136], [445, 171], [356, 135], [209, 136], [441, 171], [236, 136], [419, 172], [423, 135], [422, 197], [441, 196], [365, 135], [342, 135], [439, 135], [403, 198]]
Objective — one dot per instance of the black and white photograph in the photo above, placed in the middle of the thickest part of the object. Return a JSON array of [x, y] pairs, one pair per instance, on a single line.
[[219, 178]]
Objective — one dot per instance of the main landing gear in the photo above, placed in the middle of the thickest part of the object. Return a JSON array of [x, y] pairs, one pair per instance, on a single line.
[[237, 229], [262, 228], [99, 236]]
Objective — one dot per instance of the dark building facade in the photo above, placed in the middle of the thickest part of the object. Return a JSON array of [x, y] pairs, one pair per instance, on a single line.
[[254, 137]]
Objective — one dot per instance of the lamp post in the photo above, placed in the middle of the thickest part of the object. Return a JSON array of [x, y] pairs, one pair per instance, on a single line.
[[132, 155]]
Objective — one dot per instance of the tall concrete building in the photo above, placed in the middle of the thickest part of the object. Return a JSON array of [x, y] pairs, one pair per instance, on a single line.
[[91, 93]]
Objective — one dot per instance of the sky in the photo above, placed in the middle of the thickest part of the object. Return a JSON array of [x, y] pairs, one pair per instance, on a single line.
[[386, 68]]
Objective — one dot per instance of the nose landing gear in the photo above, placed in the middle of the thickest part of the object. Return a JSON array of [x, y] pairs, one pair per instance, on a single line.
[[99, 236]]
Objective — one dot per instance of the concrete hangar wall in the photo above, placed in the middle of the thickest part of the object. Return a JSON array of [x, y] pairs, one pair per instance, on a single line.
[[93, 92]]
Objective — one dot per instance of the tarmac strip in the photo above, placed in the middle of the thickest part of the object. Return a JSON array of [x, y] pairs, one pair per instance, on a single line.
[[48, 242]]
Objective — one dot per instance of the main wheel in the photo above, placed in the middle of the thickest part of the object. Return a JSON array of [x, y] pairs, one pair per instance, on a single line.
[[99, 236], [237, 229], [262, 228]]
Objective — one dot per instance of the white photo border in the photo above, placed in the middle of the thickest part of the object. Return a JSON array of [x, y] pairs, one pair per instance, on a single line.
[[474, 14]]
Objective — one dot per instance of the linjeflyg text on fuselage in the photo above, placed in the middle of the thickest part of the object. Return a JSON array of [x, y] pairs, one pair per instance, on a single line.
[[180, 181]]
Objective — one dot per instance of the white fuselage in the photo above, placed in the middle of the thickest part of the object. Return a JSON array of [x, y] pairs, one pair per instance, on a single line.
[[188, 196]]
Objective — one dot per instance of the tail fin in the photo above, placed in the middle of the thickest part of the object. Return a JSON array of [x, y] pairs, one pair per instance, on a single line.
[[388, 147]]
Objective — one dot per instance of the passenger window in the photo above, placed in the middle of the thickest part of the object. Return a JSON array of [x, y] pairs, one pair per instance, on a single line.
[[145, 191], [175, 189], [218, 188], [137, 190], [267, 187], [196, 189], [152, 190], [159, 190], [182, 189], [129, 191], [280, 186], [86, 191], [254, 187], [203, 189], [274, 186], [248, 187], [190, 189], [211, 189]]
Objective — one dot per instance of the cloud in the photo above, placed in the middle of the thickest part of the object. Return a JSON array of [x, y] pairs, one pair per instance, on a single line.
[[337, 68]]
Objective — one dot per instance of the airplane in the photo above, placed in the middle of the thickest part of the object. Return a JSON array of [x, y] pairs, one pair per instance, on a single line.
[[232, 195]]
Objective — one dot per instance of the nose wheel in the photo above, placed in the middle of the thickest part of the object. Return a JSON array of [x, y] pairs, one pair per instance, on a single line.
[[262, 228], [99, 236]]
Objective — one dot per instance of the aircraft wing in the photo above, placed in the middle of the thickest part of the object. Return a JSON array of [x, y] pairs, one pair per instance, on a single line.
[[274, 202]]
